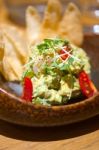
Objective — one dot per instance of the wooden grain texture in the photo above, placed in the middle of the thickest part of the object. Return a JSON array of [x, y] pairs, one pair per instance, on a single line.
[[79, 136]]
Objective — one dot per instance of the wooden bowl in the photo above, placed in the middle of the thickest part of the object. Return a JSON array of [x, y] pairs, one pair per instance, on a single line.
[[14, 110]]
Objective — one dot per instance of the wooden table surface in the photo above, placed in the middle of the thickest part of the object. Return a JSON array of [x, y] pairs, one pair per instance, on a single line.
[[79, 136]]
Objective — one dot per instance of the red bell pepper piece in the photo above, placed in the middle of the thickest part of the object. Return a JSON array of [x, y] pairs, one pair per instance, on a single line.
[[27, 89], [86, 85]]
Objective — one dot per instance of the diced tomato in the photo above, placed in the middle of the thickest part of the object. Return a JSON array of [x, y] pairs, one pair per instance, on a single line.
[[63, 54], [27, 89], [86, 85]]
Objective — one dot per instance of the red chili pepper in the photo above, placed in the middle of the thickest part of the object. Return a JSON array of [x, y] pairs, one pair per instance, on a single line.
[[61, 52], [86, 85], [27, 89]]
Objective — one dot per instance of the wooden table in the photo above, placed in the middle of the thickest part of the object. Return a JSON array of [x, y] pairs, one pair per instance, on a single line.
[[79, 136]]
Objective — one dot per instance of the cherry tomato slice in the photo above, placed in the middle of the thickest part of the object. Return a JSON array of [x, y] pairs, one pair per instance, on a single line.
[[27, 89], [61, 52], [86, 85]]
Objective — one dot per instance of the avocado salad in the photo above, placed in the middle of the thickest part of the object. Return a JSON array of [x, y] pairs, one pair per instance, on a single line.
[[51, 75]]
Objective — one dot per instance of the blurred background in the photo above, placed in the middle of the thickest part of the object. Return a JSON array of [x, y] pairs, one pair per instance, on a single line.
[[13, 11]]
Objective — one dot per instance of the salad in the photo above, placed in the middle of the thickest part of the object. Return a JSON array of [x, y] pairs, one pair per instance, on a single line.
[[57, 71]]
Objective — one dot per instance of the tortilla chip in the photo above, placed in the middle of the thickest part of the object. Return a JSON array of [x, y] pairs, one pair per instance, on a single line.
[[11, 65], [12, 71], [71, 27], [52, 14], [15, 36], [51, 19], [1, 51], [1, 47], [33, 24]]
